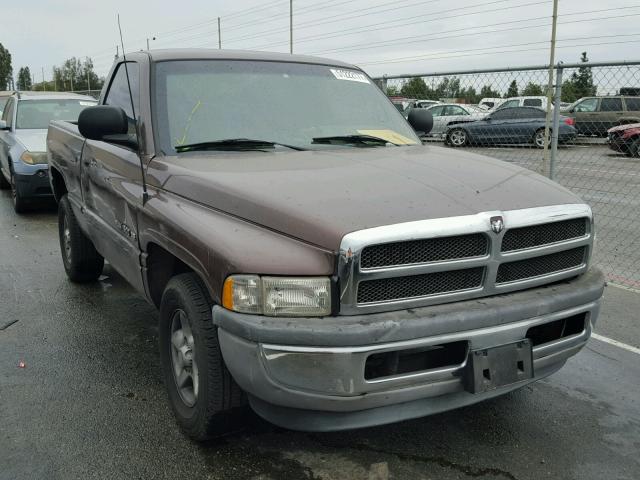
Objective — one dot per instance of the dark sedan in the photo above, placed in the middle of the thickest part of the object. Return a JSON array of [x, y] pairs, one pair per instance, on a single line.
[[517, 125]]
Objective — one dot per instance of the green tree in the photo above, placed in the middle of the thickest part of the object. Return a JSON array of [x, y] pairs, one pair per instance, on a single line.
[[488, 92], [24, 78], [580, 84], [415, 88], [392, 90], [75, 74], [533, 89], [6, 70], [512, 91]]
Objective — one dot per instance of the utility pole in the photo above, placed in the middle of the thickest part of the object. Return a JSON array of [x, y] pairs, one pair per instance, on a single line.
[[219, 35], [71, 81], [291, 26], [147, 43], [44, 85], [552, 58]]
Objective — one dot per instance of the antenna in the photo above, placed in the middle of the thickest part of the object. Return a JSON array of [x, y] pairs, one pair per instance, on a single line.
[[145, 195]]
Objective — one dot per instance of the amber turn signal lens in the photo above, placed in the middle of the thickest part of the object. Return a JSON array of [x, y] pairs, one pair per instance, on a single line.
[[227, 293]]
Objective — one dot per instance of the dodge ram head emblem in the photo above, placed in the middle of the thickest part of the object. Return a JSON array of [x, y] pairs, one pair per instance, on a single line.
[[497, 224]]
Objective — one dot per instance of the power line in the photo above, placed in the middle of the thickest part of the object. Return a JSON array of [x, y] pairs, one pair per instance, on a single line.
[[385, 25], [401, 41], [440, 55], [342, 17]]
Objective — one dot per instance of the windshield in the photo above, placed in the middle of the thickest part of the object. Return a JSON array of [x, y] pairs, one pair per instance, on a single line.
[[288, 103], [37, 114]]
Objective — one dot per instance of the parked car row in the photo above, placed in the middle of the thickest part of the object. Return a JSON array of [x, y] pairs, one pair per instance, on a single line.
[[23, 133], [511, 125]]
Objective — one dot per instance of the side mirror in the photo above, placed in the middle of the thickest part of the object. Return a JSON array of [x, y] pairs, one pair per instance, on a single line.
[[3, 125], [421, 120], [101, 121]]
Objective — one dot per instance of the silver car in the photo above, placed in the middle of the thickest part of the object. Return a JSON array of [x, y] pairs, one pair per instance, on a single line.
[[446, 114], [23, 140]]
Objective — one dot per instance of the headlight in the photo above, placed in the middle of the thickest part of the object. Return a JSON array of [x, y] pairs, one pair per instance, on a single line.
[[278, 296], [34, 158]]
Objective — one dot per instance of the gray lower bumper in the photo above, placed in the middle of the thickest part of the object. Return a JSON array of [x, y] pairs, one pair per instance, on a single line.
[[308, 374]]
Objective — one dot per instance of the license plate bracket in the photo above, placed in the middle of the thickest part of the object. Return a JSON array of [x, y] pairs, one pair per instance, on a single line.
[[491, 368]]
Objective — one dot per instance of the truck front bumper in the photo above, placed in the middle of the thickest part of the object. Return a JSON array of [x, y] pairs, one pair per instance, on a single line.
[[322, 374]]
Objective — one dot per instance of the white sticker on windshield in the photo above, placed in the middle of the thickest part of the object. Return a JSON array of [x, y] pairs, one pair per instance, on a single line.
[[349, 75], [87, 104]]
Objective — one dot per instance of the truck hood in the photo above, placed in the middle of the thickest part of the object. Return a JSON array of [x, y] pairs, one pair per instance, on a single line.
[[34, 140], [319, 196]]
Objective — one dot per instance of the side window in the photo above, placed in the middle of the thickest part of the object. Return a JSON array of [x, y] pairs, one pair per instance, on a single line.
[[510, 103], [532, 102], [588, 105], [455, 110], [436, 111], [532, 113], [118, 93], [633, 104], [611, 105], [504, 114]]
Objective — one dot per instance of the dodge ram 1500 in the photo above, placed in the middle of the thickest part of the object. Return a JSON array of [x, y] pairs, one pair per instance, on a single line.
[[307, 253]]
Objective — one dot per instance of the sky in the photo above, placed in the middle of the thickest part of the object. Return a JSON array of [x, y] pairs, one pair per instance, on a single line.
[[381, 36]]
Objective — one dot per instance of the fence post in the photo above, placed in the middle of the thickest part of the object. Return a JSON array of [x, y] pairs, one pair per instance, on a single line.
[[556, 122]]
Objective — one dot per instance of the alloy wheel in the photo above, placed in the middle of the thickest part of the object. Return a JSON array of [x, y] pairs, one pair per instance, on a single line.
[[183, 358]]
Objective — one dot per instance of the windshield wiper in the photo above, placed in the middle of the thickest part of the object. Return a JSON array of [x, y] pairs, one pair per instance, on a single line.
[[232, 144], [353, 139]]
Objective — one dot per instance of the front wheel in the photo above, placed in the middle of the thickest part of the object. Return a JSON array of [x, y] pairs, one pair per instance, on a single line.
[[81, 260], [19, 202], [634, 148], [201, 391], [538, 138], [458, 137]]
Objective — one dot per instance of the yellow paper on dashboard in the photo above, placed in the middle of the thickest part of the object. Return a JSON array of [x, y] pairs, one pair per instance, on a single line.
[[390, 136]]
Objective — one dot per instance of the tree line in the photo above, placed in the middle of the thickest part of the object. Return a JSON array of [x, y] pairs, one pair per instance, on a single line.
[[73, 74], [579, 84]]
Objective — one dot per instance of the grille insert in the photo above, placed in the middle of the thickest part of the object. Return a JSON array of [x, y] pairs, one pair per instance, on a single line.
[[537, 266], [544, 234], [400, 288], [424, 251]]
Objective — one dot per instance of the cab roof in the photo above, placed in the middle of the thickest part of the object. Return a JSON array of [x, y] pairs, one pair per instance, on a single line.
[[216, 54]]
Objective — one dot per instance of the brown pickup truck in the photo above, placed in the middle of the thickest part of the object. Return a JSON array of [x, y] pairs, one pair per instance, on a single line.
[[308, 255]]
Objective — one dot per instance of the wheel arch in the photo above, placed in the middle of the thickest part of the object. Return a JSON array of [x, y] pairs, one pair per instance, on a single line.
[[162, 263], [58, 184]]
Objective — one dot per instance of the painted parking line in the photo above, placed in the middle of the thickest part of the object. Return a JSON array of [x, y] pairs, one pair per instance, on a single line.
[[616, 343]]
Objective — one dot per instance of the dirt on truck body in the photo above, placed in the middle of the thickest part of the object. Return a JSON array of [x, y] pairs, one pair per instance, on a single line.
[[308, 255]]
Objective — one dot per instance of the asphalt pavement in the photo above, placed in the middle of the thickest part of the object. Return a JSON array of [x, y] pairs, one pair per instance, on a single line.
[[81, 397]]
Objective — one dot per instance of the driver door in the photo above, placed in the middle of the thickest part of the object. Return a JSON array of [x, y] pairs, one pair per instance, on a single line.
[[112, 184]]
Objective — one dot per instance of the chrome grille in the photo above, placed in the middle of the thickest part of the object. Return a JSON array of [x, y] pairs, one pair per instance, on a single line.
[[545, 234], [436, 261], [419, 285], [424, 251], [537, 266]]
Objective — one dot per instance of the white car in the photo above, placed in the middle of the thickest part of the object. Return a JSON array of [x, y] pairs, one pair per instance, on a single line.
[[425, 103], [446, 114], [531, 101]]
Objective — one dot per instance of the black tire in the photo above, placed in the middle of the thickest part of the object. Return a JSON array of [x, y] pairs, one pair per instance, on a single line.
[[634, 148], [209, 409], [19, 202], [81, 260], [4, 184]]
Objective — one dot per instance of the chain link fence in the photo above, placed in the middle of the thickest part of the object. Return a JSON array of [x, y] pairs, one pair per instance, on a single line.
[[502, 114]]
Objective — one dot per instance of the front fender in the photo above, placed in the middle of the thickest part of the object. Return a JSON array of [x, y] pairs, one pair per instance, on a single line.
[[216, 245]]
